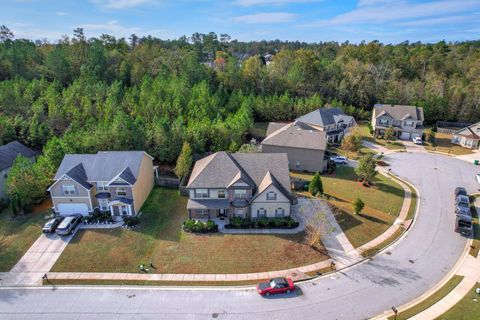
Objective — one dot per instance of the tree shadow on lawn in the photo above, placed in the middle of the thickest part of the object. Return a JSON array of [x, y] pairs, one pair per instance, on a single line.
[[384, 187], [373, 219]]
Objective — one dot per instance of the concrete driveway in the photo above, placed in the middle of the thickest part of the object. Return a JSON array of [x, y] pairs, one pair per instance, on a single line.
[[409, 268], [37, 261]]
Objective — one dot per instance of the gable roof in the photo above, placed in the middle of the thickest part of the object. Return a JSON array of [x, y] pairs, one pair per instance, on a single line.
[[274, 126], [10, 151], [399, 112], [220, 169], [78, 174], [471, 131], [102, 166], [325, 117], [298, 135]]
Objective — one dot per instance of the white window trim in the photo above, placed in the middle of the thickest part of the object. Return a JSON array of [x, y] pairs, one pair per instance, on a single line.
[[122, 189], [271, 195], [102, 186], [279, 210], [68, 190], [202, 193], [223, 192], [262, 215]]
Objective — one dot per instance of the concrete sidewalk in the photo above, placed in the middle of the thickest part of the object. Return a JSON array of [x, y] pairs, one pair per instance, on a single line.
[[37, 261]]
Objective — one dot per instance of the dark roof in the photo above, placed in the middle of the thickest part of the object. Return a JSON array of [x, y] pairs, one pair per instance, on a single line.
[[10, 151], [325, 116], [125, 200], [104, 165], [399, 112], [78, 174], [298, 135], [222, 169], [128, 176]]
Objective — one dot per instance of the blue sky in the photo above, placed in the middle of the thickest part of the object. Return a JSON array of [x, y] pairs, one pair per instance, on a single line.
[[390, 21]]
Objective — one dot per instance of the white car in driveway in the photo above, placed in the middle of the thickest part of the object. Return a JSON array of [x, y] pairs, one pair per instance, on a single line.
[[417, 140], [340, 160], [477, 177]]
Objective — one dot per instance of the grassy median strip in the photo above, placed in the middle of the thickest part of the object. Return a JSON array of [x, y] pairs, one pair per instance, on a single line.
[[475, 247], [374, 250], [466, 309], [413, 204], [431, 300], [94, 282]]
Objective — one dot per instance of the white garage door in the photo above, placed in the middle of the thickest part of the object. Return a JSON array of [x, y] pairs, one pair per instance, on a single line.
[[405, 136], [68, 209]]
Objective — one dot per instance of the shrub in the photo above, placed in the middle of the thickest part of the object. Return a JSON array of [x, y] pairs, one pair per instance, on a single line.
[[196, 226], [358, 205], [315, 186], [3, 204], [130, 221]]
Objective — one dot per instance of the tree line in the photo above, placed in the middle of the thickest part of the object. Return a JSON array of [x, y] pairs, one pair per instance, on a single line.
[[81, 95]]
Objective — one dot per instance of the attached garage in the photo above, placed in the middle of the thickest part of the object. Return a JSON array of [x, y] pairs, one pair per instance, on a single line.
[[68, 209], [405, 135]]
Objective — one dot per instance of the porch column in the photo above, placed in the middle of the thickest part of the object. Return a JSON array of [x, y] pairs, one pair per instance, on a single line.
[[189, 214], [111, 211], [129, 210]]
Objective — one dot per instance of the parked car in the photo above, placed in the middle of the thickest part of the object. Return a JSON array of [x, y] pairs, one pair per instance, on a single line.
[[340, 160], [460, 191], [464, 225], [463, 211], [68, 225], [477, 177], [51, 225], [276, 285], [417, 140]]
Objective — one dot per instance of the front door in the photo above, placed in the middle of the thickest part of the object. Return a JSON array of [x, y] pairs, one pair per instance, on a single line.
[[222, 212]]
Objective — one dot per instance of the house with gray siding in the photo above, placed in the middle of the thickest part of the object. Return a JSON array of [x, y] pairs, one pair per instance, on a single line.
[[303, 143], [8, 154], [118, 182], [247, 185], [406, 121]]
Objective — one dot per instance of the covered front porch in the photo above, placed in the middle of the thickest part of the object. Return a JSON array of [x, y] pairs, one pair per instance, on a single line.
[[208, 208], [121, 207]]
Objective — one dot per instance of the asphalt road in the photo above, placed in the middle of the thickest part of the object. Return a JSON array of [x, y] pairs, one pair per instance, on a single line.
[[410, 268]]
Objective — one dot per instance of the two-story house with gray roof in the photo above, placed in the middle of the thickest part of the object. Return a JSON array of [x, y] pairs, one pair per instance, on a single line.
[[468, 137], [406, 121], [114, 181], [8, 154], [333, 121], [252, 185]]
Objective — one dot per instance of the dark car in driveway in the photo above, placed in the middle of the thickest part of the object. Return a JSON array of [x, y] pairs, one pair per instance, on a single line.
[[52, 225], [464, 225], [460, 191], [276, 285], [462, 203]]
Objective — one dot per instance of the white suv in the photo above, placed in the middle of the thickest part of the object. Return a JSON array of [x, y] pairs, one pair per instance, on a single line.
[[417, 140]]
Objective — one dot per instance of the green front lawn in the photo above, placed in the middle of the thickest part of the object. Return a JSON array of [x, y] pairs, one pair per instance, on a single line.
[[383, 201], [443, 144], [466, 309], [160, 240], [17, 234], [430, 301]]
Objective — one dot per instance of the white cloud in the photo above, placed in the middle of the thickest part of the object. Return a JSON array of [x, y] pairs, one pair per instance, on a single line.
[[122, 4], [375, 11], [60, 13], [266, 18], [111, 27], [441, 21], [251, 3]]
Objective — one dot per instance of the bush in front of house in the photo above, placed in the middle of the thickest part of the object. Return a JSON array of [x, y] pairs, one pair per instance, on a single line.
[[131, 221], [262, 223], [196, 226]]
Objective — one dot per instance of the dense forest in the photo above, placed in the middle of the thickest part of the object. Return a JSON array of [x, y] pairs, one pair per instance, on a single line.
[[87, 94]]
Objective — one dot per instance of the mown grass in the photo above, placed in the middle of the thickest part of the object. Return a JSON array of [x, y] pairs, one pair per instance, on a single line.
[[367, 136], [374, 250], [443, 144], [18, 233], [160, 240], [430, 301], [383, 201], [466, 309], [475, 246]]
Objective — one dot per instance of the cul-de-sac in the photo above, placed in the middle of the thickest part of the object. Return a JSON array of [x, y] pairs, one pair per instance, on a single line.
[[240, 159]]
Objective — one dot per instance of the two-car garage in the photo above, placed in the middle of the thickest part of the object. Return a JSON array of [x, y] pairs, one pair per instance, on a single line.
[[68, 209]]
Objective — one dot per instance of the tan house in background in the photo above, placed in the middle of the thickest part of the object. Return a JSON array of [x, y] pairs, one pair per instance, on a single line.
[[304, 145], [406, 121], [114, 181], [468, 137]]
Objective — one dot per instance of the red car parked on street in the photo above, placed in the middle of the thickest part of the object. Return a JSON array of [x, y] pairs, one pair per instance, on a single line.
[[276, 285]]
